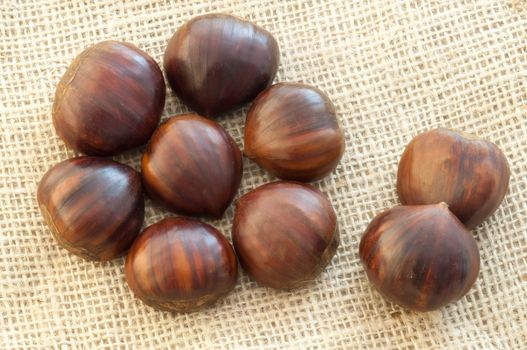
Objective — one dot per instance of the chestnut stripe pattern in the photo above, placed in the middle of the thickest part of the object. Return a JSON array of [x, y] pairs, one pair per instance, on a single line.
[[181, 264], [192, 166], [217, 62], [469, 174], [284, 233], [420, 257], [292, 131], [109, 100], [93, 206]]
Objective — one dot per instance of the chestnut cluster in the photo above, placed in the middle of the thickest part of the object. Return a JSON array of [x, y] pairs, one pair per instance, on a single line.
[[111, 99], [421, 255]]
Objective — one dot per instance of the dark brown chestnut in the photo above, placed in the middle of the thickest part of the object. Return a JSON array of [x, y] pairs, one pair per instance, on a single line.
[[292, 131], [93, 206], [109, 100], [181, 265], [420, 257], [217, 62], [469, 174], [192, 166], [284, 233]]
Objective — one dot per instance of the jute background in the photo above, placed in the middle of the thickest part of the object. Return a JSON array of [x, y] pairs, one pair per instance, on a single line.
[[392, 68]]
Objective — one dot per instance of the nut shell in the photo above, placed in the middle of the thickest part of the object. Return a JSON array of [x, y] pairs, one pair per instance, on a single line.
[[192, 166], [469, 174], [93, 206], [217, 62], [181, 265], [109, 100], [420, 257], [284, 234], [292, 131]]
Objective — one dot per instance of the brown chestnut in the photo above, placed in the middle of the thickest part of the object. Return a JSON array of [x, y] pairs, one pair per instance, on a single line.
[[217, 62], [192, 166], [93, 206], [420, 257], [109, 100], [292, 131], [181, 265], [284, 233], [469, 174]]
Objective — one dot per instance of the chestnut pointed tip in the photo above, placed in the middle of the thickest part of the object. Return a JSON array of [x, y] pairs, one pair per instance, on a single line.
[[458, 133], [443, 205]]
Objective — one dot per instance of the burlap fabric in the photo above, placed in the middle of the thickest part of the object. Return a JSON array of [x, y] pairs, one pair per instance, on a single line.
[[392, 68]]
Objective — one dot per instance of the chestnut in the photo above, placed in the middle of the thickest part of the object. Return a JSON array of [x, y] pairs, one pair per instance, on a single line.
[[192, 166], [284, 233], [420, 257], [217, 62], [292, 131], [109, 100], [182, 265], [469, 174], [93, 206]]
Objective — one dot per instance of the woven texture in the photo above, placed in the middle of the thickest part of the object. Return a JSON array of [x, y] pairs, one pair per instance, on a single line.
[[392, 68]]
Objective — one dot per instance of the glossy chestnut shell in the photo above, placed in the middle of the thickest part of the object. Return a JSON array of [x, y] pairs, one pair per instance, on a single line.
[[217, 62], [192, 166], [469, 174], [181, 265], [93, 206], [292, 131], [284, 233], [420, 257], [109, 100]]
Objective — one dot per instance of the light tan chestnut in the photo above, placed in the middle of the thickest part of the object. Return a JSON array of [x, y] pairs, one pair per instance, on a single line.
[[471, 175]]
